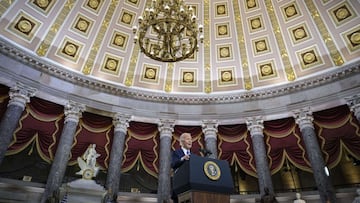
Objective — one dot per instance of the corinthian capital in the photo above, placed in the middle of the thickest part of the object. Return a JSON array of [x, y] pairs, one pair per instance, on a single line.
[[304, 118], [354, 104], [210, 128], [73, 111], [20, 94], [121, 122], [166, 127], [255, 125]]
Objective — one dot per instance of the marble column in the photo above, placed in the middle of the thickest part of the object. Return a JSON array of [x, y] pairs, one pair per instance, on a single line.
[[255, 126], [166, 127], [354, 105], [121, 123], [210, 130], [19, 96], [304, 120], [73, 112]]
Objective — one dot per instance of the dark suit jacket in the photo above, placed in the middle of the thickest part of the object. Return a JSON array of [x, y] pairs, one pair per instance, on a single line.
[[176, 158]]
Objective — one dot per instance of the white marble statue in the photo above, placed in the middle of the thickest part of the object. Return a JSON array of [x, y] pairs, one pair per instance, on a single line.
[[87, 164], [357, 199], [298, 198]]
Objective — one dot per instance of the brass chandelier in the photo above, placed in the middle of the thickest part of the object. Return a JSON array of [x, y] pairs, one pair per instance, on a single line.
[[168, 31]]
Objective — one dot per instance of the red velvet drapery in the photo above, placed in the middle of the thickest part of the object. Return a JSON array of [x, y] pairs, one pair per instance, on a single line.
[[234, 145], [142, 147], [283, 141], [338, 132], [40, 126]]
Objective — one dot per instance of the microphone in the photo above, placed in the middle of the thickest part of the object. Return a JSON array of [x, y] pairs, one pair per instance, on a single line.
[[205, 151]]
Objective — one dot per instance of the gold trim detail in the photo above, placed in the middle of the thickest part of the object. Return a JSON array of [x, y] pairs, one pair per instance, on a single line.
[[329, 42], [241, 42], [50, 36], [290, 75], [99, 38], [207, 57]]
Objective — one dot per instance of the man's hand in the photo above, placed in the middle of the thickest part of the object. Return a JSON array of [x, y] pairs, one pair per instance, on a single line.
[[186, 157]]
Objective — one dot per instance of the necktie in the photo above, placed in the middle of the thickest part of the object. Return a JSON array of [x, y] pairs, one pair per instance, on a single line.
[[188, 152]]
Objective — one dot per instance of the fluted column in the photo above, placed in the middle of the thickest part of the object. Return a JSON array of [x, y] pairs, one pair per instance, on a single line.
[[304, 120], [354, 104], [166, 127], [73, 112], [210, 130], [19, 96], [121, 123], [255, 126]]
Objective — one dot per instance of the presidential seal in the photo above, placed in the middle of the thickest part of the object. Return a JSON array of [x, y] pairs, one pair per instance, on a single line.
[[212, 170]]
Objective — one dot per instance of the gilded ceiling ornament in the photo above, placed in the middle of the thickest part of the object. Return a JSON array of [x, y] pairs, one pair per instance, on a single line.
[[224, 52], [222, 30], [119, 40], [251, 3], [221, 9], [226, 76], [168, 88], [42, 3], [299, 33], [290, 11], [355, 38], [290, 76], [41, 51], [309, 57], [24, 26], [266, 70], [342, 13], [248, 84], [126, 18], [188, 77], [93, 3], [82, 25], [70, 49], [208, 89], [86, 70], [111, 64], [261, 45], [150, 73], [255, 23]]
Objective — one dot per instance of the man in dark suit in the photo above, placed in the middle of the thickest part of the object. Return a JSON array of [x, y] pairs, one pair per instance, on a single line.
[[181, 155]]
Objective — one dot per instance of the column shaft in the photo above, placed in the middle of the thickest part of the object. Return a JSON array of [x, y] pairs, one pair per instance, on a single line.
[[164, 183], [255, 125], [304, 119], [116, 155], [7, 127], [19, 96], [58, 167]]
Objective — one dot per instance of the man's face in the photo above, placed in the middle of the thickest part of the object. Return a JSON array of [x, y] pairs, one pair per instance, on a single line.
[[187, 142]]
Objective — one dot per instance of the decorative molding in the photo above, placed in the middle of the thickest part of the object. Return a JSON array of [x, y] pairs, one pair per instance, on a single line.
[[82, 80]]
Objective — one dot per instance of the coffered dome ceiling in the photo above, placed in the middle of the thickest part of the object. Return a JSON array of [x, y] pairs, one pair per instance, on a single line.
[[249, 45]]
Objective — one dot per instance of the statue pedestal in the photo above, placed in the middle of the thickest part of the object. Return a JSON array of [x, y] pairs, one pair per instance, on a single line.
[[84, 191]]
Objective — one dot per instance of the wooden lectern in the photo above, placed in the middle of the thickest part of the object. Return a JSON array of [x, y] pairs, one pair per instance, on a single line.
[[202, 180]]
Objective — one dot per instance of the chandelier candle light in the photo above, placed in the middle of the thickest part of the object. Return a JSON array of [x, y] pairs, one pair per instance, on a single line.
[[168, 31]]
